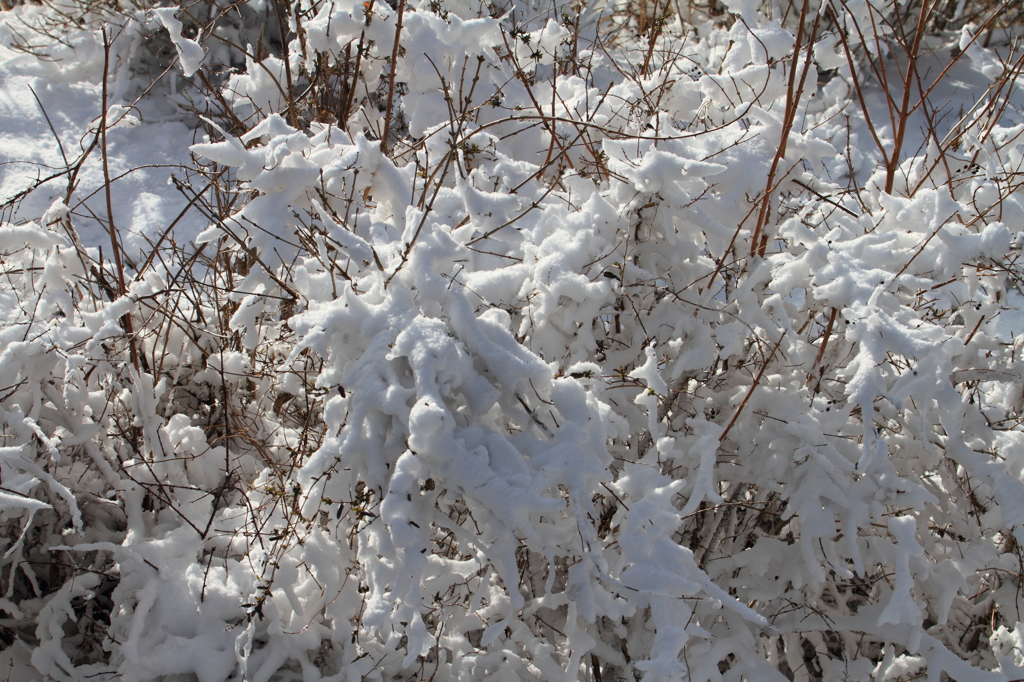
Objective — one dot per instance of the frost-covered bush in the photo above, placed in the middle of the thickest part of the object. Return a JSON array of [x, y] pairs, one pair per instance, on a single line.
[[533, 344]]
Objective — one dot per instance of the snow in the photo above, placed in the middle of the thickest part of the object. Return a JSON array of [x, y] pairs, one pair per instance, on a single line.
[[516, 395], [190, 52], [69, 94]]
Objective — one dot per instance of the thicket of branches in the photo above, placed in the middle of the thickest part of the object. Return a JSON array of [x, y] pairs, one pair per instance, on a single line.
[[526, 341]]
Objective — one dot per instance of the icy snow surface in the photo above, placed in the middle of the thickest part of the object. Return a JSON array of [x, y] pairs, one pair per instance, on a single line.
[[582, 374]]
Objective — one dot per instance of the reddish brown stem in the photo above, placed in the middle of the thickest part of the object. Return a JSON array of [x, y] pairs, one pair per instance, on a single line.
[[391, 78], [757, 380], [794, 91], [114, 242], [904, 112], [280, 9], [824, 339]]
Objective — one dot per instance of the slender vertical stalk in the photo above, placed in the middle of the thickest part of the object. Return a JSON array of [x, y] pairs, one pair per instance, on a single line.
[[115, 244], [281, 9], [794, 91], [391, 78], [824, 339], [903, 116]]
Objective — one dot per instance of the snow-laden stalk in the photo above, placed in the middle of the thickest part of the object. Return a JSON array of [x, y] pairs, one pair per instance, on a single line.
[[524, 344]]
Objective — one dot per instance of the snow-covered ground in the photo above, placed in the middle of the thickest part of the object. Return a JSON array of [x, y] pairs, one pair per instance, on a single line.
[[64, 87], [626, 357]]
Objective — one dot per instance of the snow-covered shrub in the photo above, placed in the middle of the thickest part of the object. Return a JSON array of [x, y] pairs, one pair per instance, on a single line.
[[518, 347]]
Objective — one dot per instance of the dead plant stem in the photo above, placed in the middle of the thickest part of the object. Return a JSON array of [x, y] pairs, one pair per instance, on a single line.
[[115, 243], [391, 78]]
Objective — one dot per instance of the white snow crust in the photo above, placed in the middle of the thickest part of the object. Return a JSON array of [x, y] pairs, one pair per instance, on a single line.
[[626, 355]]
